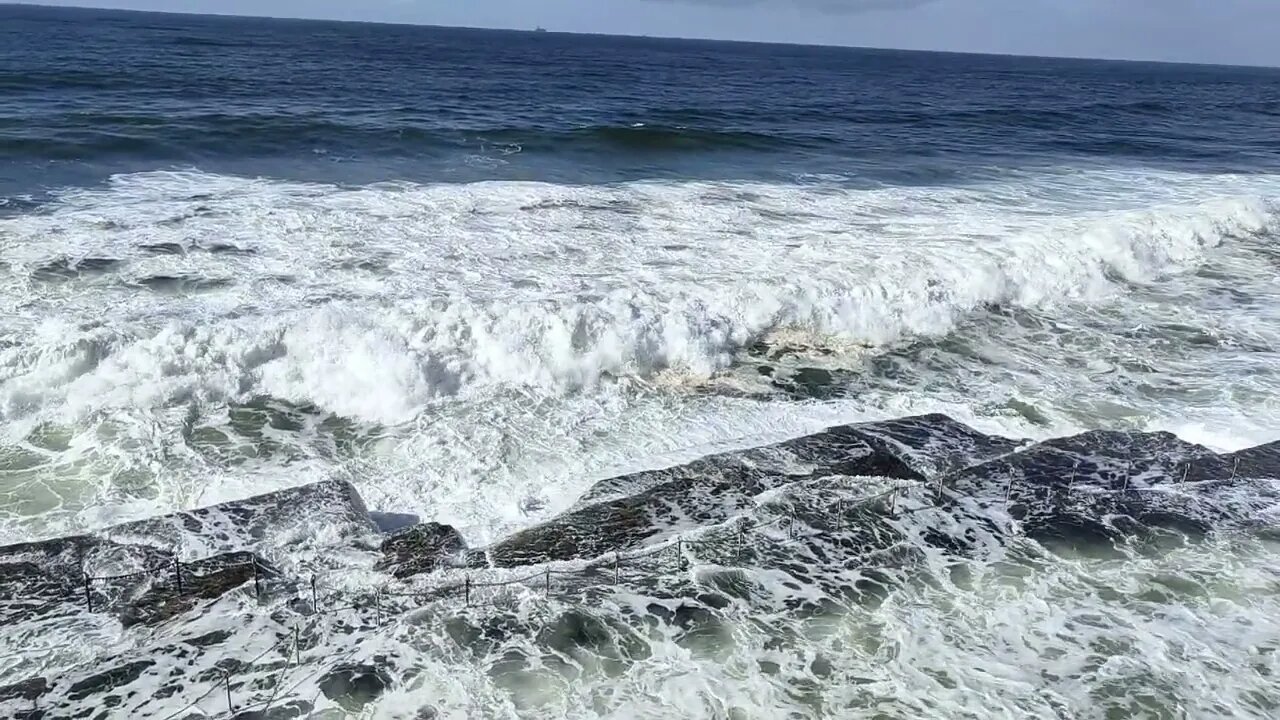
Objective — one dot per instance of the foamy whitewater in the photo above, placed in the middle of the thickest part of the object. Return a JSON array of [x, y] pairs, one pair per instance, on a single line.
[[480, 354], [481, 344], [474, 291]]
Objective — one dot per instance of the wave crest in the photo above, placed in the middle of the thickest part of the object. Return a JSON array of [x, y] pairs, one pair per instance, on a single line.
[[375, 302]]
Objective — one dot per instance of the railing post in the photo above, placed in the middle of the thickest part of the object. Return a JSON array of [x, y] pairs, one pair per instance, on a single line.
[[177, 574], [1072, 481], [1235, 469], [617, 560], [377, 608], [297, 646], [893, 501], [1008, 492], [1185, 471], [315, 597], [466, 590], [939, 496], [226, 679], [88, 592], [548, 582], [257, 584]]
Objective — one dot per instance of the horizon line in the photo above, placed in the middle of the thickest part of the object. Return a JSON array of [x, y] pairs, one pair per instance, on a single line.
[[549, 31]]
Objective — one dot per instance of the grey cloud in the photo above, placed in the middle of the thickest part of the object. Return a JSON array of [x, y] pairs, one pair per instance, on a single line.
[[847, 7]]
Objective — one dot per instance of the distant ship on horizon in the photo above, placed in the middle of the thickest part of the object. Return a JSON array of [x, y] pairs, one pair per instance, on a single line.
[[539, 29]]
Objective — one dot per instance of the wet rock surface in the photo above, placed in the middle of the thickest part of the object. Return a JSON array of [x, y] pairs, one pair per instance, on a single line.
[[627, 512], [420, 549], [812, 511], [707, 491], [136, 584], [355, 685], [242, 524]]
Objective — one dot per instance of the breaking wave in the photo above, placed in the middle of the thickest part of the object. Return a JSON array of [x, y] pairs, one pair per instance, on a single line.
[[374, 301]]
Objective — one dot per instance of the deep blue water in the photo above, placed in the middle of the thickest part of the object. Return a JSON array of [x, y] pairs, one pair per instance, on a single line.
[[88, 93]]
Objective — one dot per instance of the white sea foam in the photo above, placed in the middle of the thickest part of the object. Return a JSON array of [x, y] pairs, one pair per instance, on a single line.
[[481, 354], [501, 326]]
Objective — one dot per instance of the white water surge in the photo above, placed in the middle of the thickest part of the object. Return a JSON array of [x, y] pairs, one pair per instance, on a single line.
[[480, 354]]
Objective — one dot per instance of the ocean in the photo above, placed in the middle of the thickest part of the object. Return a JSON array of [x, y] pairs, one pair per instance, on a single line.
[[473, 273]]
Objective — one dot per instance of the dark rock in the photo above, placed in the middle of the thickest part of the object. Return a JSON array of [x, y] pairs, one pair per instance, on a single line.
[[842, 450], [287, 710], [132, 568], [174, 284], [109, 680], [242, 524], [354, 685], [216, 637], [136, 582], [420, 549], [936, 444], [63, 269], [28, 690], [1262, 461], [205, 579], [625, 512], [811, 383], [1088, 491], [165, 248], [43, 578]]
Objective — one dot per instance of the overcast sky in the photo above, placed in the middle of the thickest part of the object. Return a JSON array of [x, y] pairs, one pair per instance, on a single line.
[[1218, 31]]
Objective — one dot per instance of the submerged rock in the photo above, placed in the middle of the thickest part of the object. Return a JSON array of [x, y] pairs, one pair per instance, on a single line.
[[1098, 487], [626, 512], [1262, 461], [659, 503], [206, 579], [814, 540], [242, 524], [288, 710], [355, 685], [420, 549]]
